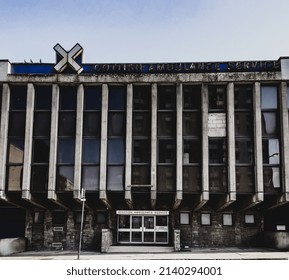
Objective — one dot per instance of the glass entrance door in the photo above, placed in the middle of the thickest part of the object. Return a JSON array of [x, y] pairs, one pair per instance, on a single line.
[[143, 229]]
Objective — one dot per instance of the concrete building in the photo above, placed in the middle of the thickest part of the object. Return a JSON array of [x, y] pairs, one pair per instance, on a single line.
[[168, 153]]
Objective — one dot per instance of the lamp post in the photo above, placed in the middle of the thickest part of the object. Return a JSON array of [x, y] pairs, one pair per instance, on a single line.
[[82, 199]]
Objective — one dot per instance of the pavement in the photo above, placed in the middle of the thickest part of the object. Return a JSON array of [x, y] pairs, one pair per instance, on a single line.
[[233, 253]]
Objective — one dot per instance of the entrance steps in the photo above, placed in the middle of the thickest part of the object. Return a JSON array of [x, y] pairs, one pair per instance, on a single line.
[[140, 249]]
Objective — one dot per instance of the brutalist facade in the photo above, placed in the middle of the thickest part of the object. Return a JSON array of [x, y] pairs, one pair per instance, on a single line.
[[198, 147]]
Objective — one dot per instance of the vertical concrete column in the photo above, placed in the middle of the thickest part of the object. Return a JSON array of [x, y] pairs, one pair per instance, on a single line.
[[78, 143], [103, 145], [179, 149], [28, 142], [259, 188], [231, 142], [128, 156], [154, 146], [3, 137], [284, 140], [53, 143], [205, 144]]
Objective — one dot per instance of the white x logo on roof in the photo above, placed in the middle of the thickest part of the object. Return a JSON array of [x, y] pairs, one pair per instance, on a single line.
[[68, 58]]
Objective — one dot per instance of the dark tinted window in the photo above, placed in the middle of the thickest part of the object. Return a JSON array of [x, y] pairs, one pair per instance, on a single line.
[[18, 97], [68, 97], [116, 98], [65, 152], [42, 123], [92, 98], [43, 97]]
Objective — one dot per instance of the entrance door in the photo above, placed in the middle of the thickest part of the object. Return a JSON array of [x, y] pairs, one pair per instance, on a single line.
[[143, 228]]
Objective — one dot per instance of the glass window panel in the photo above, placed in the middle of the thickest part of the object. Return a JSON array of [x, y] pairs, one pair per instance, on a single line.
[[142, 97], [166, 124], [192, 97], [17, 124], [161, 237], [244, 151], [227, 219], [269, 124], [141, 175], [136, 221], [67, 124], [250, 219], [141, 151], [192, 124], [92, 98], [68, 97], [117, 98], [191, 179], [65, 152], [124, 236], [116, 124], [65, 178], [243, 97], [149, 222], [167, 151], [43, 97], [124, 221], [218, 179], [192, 151], [90, 178], [243, 124], [39, 178], [41, 150], [91, 151], [18, 97], [217, 98], [115, 177], [161, 221], [141, 125], [115, 151], [184, 218], [271, 178], [245, 179], [91, 124], [166, 97], [149, 237], [271, 151], [217, 151], [14, 178], [42, 123], [205, 219], [166, 178], [15, 151], [269, 97]]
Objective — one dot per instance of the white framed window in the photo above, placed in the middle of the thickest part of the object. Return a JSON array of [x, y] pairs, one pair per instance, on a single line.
[[227, 219], [184, 218], [205, 219]]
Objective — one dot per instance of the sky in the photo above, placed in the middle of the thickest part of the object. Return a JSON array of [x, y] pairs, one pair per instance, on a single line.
[[144, 31]]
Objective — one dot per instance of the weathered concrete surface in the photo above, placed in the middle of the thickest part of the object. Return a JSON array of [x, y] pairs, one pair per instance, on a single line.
[[106, 240], [277, 240], [10, 246]]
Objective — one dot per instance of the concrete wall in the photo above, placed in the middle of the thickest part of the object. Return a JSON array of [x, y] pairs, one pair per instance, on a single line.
[[10, 246], [106, 240]]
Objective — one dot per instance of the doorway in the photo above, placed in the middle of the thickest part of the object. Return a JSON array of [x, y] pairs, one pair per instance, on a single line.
[[143, 227]]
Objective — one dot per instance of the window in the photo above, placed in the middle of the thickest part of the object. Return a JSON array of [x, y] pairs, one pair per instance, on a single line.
[[184, 218], [244, 134], [16, 137], [217, 150], [167, 151], [205, 219], [270, 139], [217, 98], [141, 133], [249, 219], [91, 138], [116, 137], [66, 138], [227, 219]]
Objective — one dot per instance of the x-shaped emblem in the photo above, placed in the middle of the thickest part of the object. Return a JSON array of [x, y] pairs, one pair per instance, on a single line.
[[68, 58]]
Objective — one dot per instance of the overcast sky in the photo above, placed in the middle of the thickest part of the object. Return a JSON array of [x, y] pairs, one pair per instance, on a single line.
[[145, 30]]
